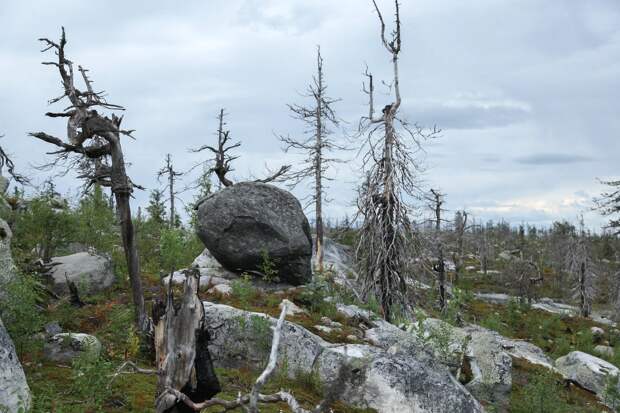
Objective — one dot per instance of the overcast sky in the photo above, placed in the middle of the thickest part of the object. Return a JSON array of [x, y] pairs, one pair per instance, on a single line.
[[526, 91]]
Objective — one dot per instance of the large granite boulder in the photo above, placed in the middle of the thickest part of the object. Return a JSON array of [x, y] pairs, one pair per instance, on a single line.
[[407, 380], [90, 273], [242, 223], [14, 390]]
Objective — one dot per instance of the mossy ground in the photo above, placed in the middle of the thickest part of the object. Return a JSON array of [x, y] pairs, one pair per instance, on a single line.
[[109, 317]]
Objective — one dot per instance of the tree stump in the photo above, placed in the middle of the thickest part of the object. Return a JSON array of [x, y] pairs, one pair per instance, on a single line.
[[182, 357]]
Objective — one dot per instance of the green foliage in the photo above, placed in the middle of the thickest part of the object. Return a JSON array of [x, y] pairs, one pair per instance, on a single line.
[[456, 305], [90, 379], [96, 222], [542, 394], [314, 295], [611, 394], [19, 312], [46, 225], [493, 322], [243, 290], [268, 267]]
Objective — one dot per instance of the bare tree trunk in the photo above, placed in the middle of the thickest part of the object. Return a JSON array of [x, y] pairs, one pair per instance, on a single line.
[[441, 268], [121, 187], [319, 165], [182, 355]]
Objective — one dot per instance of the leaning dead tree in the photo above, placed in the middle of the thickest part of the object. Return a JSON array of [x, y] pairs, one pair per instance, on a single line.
[[172, 175], [440, 266], [392, 171], [222, 157], [579, 266], [5, 161], [93, 147], [316, 146]]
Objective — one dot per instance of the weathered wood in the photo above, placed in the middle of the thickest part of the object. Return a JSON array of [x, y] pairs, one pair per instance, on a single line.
[[182, 356]]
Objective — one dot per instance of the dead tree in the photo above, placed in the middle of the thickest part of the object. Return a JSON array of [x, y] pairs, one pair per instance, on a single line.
[[315, 147], [439, 267], [483, 250], [172, 175], [580, 267], [181, 352], [222, 160], [460, 227], [95, 139], [523, 275], [391, 173]]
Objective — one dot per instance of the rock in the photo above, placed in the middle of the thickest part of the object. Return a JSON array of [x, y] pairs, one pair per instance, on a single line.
[[493, 298], [597, 333], [223, 289], [178, 278], [291, 308], [52, 328], [7, 267], [526, 351], [242, 223], [491, 365], [470, 268], [14, 391], [209, 266], [505, 255], [90, 273], [65, 347], [604, 350], [324, 329], [330, 323], [586, 370], [409, 380]]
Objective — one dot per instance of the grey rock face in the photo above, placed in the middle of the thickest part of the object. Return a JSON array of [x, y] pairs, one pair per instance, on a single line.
[[52, 328], [14, 390], [405, 381], [240, 223], [64, 347], [90, 273], [7, 268]]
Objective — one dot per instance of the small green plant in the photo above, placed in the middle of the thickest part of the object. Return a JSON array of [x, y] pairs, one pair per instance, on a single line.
[[611, 394], [268, 267], [19, 311], [493, 322], [90, 377], [542, 394], [243, 290]]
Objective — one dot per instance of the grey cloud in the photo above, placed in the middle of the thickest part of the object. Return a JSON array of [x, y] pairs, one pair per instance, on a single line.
[[552, 159]]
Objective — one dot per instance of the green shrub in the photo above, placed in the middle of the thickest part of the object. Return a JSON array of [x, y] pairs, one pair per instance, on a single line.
[[91, 380], [243, 290], [268, 267], [19, 311], [542, 394]]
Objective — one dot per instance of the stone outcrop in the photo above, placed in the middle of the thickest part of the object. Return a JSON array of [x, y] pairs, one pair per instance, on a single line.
[[403, 380]]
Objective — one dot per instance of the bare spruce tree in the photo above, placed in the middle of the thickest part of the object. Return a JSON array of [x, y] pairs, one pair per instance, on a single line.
[[581, 269], [222, 157], [439, 267], [460, 227], [172, 175], [93, 147], [391, 173], [316, 146]]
